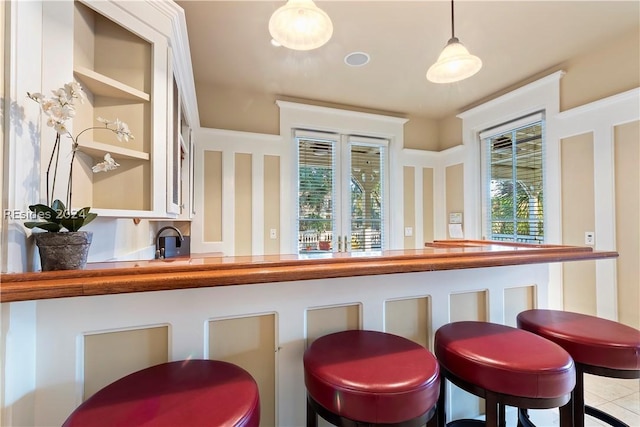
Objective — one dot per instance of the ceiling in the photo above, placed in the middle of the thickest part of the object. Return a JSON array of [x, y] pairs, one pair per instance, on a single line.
[[230, 46]]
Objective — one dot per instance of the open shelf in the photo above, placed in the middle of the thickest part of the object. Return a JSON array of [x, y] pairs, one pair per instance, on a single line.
[[102, 85], [98, 150]]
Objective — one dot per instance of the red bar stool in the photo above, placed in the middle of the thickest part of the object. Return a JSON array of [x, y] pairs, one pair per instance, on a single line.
[[182, 393], [507, 367], [369, 378], [598, 346]]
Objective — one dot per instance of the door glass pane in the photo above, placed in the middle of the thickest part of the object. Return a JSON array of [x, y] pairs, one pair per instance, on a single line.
[[366, 197], [316, 195]]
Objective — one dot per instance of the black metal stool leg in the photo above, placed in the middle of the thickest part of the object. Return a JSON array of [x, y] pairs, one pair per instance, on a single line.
[[440, 411], [312, 417], [491, 410], [577, 396], [566, 415]]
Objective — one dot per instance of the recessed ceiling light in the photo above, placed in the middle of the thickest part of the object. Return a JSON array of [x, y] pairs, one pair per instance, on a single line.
[[357, 59], [275, 43]]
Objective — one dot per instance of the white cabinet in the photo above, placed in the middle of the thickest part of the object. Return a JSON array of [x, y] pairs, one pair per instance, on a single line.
[[123, 65], [179, 160]]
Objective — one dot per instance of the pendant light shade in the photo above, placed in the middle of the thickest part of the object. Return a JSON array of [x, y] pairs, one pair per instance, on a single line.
[[455, 63], [300, 25]]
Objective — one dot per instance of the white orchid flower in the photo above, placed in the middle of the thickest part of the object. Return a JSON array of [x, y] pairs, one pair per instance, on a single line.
[[107, 165], [61, 108], [122, 131]]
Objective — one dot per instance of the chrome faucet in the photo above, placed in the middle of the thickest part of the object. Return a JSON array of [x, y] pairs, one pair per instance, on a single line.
[[159, 250]]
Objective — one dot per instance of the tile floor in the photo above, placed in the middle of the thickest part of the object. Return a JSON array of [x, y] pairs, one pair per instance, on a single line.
[[620, 398]]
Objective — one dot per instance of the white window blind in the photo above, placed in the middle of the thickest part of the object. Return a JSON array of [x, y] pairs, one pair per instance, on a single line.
[[514, 196], [316, 191]]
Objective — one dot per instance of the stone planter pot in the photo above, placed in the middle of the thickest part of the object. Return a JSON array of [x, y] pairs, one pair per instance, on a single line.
[[63, 251]]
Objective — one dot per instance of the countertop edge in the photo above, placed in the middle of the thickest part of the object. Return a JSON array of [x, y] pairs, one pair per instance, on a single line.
[[36, 286]]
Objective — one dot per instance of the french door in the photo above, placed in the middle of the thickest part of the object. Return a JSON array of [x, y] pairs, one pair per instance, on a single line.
[[341, 193]]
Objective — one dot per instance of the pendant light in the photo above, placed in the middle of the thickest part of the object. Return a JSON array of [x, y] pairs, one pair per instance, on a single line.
[[455, 63], [300, 25]]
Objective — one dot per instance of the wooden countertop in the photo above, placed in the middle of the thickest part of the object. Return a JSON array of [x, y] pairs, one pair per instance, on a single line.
[[211, 270]]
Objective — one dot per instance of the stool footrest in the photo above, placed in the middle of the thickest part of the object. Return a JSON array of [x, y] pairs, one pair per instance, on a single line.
[[603, 416], [466, 423], [523, 418]]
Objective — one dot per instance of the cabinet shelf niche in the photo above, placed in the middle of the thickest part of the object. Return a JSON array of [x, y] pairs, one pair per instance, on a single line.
[[102, 85], [97, 150]]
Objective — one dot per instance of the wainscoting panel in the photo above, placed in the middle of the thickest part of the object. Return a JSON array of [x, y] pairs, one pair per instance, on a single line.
[[249, 342], [326, 320], [112, 355], [517, 300], [410, 318]]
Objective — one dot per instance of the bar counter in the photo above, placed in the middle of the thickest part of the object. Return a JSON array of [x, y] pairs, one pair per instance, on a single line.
[[213, 270], [83, 329]]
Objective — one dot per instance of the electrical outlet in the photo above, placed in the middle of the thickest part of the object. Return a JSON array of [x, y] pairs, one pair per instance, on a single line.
[[589, 238], [408, 231], [273, 233]]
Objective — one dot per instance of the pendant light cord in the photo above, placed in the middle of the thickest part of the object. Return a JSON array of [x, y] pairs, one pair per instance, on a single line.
[[453, 33]]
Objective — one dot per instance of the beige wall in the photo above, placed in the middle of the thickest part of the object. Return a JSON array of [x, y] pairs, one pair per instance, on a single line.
[[606, 70], [578, 217], [272, 204], [222, 107], [243, 206], [421, 133], [455, 190], [409, 205], [449, 132], [627, 183], [212, 196], [427, 205]]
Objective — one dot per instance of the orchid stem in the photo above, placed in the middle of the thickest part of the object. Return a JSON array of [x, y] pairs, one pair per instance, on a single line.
[[56, 149], [70, 182]]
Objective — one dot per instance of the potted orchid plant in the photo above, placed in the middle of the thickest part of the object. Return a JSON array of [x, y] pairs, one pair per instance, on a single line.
[[65, 246]]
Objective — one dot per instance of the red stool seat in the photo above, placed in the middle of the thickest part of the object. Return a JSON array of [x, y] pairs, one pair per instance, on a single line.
[[182, 393], [505, 366], [598, 346], [502, 359], [590, 340], [372, 377]]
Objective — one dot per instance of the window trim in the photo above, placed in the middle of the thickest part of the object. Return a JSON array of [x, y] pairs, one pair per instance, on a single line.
[[540, 95], [483, 137]]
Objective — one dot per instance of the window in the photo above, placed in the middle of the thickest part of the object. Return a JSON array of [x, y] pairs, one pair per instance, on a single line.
[[513, 181], [340, 193]]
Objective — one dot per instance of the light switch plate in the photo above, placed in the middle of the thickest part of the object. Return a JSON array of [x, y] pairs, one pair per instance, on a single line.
[[455, 218], [589, 238]]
